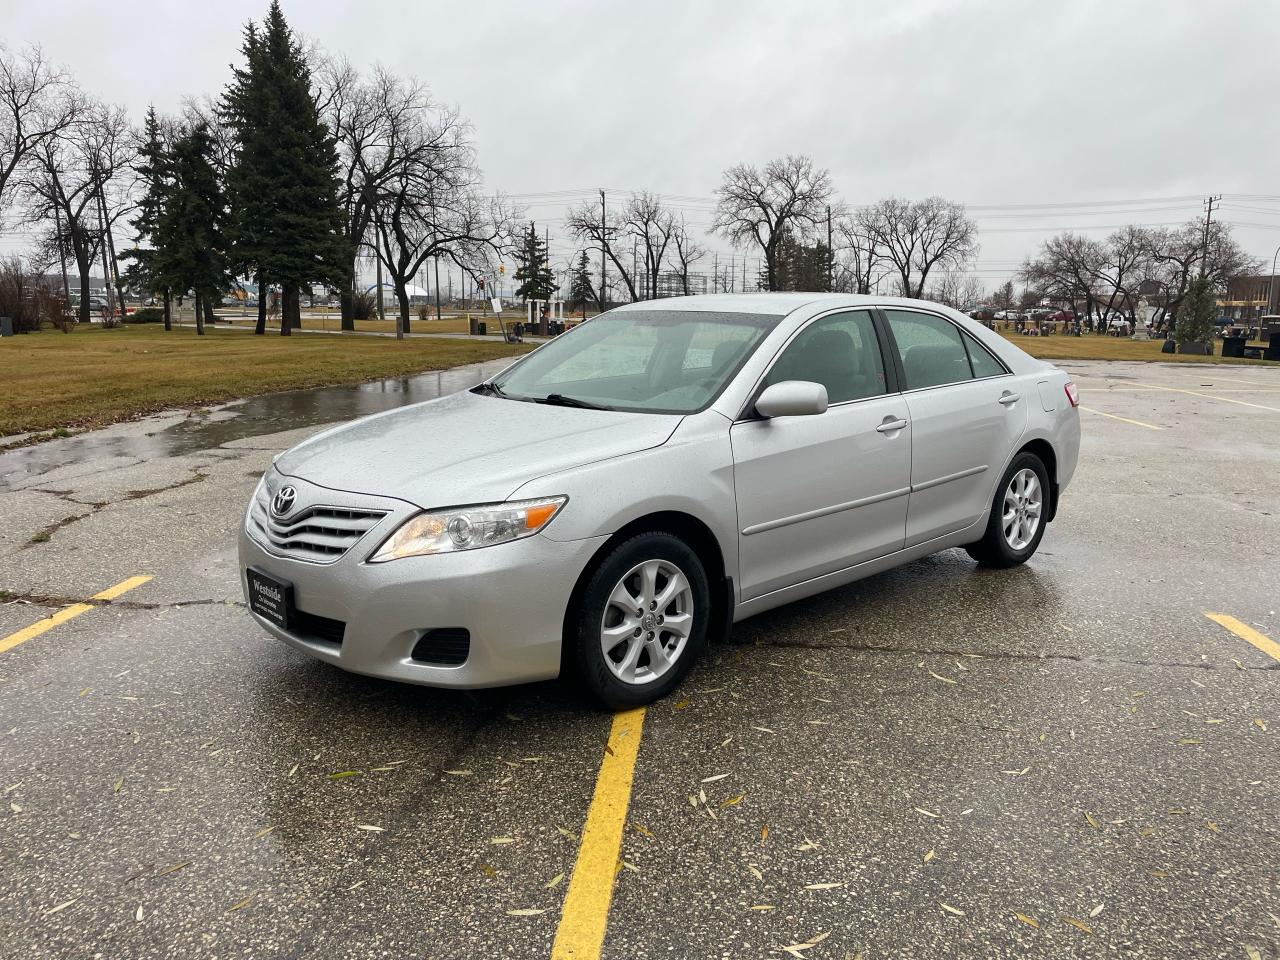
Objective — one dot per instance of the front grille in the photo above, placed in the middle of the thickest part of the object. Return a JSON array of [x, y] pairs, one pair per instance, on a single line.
[[310, 626], [446, 647], [319, 534]]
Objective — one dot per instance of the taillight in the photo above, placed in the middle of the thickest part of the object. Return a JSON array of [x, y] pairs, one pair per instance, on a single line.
[[1073, 393]]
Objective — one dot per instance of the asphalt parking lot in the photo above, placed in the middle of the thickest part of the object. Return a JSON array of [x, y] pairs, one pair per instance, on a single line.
[[1070, 759]]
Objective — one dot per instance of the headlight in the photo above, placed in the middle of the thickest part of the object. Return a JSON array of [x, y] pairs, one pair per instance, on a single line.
[[466, 528]]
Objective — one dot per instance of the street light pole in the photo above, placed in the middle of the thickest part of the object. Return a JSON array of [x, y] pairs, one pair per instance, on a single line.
[[1271, 289]]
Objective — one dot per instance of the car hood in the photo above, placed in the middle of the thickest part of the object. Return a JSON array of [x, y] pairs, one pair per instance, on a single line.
[[467, 448]]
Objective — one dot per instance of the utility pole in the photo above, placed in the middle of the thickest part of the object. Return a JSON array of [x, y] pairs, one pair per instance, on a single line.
[[831, 259], [603, 229], [715, 272], [1208, 218]]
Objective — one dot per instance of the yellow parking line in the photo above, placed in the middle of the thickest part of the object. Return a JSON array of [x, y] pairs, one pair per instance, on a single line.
[[1246, 632], [68, 613], [1136, 423], [1210, 396], [585, 915]]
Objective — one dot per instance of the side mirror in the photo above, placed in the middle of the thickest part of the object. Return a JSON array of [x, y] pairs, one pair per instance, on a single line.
[[792, 398]]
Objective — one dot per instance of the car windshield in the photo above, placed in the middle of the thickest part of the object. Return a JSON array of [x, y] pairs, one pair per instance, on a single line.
[[657, 361]]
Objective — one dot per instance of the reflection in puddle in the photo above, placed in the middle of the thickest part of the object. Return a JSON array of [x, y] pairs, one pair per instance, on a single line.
[[255, 417]]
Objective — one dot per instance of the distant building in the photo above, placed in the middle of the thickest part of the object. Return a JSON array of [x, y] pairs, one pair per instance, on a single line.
[[1246, 297]]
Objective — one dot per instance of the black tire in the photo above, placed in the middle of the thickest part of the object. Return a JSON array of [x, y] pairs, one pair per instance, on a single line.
[[994, 550], [585, 654]]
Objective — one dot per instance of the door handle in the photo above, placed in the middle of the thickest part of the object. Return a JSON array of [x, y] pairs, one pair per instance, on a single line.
[[889, 426], [1008, 399]]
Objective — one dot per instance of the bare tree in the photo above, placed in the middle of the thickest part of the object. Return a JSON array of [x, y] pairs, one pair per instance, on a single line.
[[388, 129], [37, 102], [861, 262], [687, 252], [1126, 253], [74, 184], [646, 226], [917, 237], [589, 225], [1065, 269], [957, 289], [651, 225], [1176, 255], [431, 206], [758, 207]]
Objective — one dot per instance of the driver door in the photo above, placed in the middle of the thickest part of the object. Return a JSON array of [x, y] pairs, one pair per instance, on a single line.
[[817, 494]]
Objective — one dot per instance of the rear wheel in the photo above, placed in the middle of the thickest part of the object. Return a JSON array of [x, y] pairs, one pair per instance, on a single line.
[[641, 621], [1018, 513]]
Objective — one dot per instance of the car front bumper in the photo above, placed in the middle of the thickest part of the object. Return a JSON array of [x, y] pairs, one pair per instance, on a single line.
[[510, 597]]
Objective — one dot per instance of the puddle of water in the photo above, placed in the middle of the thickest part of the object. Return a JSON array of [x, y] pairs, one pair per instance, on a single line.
[[254, 417]]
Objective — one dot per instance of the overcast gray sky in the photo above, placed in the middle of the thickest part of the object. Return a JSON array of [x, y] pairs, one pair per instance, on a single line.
[[1007, 105]]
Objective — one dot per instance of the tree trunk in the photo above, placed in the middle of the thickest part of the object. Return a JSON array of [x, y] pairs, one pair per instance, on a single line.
[[168, 309], [347, 298], [288, 299], [402, 294], [208, 309], [261, 326], [295, 308], [199, 314], [84, 289], [348, 301]]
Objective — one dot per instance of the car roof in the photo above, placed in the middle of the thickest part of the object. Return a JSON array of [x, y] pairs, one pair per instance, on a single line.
[[778, 304]]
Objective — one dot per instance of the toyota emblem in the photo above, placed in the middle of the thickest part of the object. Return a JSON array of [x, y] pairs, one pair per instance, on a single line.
[[283, 501]]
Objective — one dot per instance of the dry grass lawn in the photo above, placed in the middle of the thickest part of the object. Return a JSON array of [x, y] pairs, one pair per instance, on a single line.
[[1091, 347], [95, 376]]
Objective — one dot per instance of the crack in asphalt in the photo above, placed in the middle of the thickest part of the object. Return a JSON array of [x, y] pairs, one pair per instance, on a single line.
[[57, 602], [45, 533]]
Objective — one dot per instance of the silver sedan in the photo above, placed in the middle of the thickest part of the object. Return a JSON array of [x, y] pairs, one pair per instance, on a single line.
[[614, 499]]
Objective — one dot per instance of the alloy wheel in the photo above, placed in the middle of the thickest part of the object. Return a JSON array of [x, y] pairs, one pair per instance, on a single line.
[[647, 622], [1023, 500]]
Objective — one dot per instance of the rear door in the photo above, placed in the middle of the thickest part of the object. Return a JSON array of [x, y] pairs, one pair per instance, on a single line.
[[819, 493], [967, 415]]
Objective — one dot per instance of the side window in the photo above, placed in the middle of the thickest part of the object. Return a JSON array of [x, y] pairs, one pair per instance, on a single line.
[[840, 352], [983, 363], [932, 353]]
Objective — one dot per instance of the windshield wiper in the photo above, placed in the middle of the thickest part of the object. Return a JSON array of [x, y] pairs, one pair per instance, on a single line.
[[491, 389], [560, 400]]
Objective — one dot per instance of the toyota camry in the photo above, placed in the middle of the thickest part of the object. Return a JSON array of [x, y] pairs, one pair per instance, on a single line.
[[629, 490]]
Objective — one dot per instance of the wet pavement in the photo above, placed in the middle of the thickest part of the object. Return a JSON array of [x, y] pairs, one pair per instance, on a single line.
[[206, 429], [1063, 760]]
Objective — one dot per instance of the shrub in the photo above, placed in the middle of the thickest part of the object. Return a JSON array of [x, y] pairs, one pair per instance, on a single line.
[[424, 312], [362, 305], [146, 315], [19, 295]]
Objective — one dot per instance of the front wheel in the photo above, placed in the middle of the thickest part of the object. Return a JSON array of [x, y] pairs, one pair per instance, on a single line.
[[1018, 513], [641, 620]]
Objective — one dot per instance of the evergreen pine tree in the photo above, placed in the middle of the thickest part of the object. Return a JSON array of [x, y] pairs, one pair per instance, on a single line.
[[145, 269], [190, 231], [580, 284], [1194, 322], [536, 280], [286, 221]]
